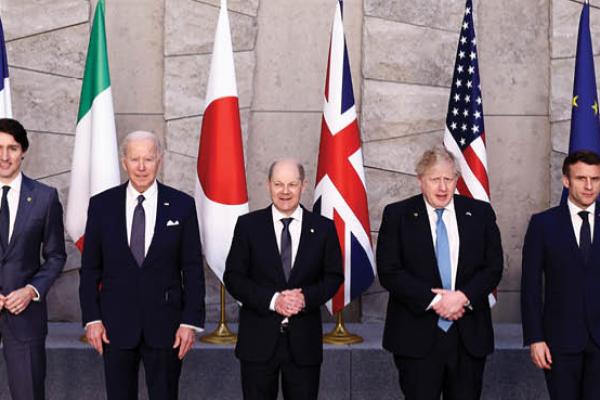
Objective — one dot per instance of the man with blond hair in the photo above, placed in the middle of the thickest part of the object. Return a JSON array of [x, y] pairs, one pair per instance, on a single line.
[[439, 255]]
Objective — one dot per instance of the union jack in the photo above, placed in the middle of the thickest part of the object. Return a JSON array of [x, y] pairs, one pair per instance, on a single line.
[[340, 192], [465, 132]]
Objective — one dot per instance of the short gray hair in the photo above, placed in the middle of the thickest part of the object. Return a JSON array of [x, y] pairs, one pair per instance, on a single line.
[[299, 165], [141, 135], [434, 155]]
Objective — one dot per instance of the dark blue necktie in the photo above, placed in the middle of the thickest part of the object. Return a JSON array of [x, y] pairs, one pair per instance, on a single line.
[[4, 218], [442, 254], [286, 247], [585, 236], [138, 232]]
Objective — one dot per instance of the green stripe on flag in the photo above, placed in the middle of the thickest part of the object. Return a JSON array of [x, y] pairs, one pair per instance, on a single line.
[[96, 77]]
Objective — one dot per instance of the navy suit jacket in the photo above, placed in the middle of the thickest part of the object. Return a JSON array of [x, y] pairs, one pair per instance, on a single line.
[[38, 230], [568, 312], [254, 273], [407, 268], [151, 301]]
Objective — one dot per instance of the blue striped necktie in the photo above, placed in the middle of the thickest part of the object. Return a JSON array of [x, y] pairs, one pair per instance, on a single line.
[[442, 255]]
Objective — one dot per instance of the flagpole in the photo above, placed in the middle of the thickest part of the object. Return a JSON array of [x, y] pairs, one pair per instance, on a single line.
[[340, 334], [222, 334]]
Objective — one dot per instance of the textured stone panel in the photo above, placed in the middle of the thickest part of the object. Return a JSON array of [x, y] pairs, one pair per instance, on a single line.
[[560, 135], [61, 182], [190, 28], [48, 154], [400, 154], [183, 134], [374, 306], [565, 25], [60, 52], [28, 17], [45, 102], [280, 135], [508, 307], [442, 14], [518, 159], [134, 31], [392, 110], [386, 187], [63, 298], [556, 185], [186, 78], [513, 56], [179, 171], [407, 53], [73, 254], [292, 49], [213, 299], [240, 6]]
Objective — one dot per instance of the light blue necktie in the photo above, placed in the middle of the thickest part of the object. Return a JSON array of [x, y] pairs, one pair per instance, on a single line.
[[442, 255]]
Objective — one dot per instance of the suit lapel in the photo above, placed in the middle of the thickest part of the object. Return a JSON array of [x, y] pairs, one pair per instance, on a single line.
[[570, 239], [163, 203], [463, 224], [422, 229], [596, 238], [267, 231], [304, 245], [26, 203]]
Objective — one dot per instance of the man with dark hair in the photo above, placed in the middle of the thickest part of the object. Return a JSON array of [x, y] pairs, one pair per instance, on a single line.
[[31, 224], [284, 263], [561, 283], [439, 255]]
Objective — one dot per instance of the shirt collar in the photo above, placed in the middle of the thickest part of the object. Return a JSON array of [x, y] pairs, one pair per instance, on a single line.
[[575, 209], [431, 210], [15, 185], [278, 215], [151, 191]]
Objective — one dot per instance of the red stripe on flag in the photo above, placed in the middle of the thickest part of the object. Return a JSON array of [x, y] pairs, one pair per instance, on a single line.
[[337, 303], [462, 188], [79, 243], [477, 167], [221, 153]]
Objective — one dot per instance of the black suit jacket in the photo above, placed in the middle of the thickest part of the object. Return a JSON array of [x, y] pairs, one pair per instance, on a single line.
[[38, 230], [253, 274], [407, 268], [153, 300], [569, 310]]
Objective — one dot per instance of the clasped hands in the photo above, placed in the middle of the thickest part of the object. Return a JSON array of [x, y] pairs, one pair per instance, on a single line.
[[289, 302], [18, 300], [451, 305]]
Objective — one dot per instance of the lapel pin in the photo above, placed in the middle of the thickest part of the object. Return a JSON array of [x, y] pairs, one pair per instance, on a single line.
[[29, 199], [468, 213], [166, 203], [312, 230], [415, 215]]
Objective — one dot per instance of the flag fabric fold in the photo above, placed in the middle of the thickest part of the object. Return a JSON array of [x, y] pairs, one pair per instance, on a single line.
[[220, 192], [5, 97], [95, 164], [464, 135], [340, 191]]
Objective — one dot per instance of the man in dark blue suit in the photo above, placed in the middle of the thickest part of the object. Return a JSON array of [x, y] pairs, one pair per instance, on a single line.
[[284, 263], [439, 255], [142, 283], [560, 285], [31, 224]]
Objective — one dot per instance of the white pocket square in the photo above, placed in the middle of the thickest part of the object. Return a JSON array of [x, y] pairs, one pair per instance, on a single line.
[[172, 223]]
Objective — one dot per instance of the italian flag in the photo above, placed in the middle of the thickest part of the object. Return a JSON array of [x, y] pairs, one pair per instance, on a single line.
[[95, 166]]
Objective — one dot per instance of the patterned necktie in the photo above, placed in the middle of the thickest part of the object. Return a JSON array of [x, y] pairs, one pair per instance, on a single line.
[[585, 236], [442, 255], [138, 232], [286, 247], [4, 218]]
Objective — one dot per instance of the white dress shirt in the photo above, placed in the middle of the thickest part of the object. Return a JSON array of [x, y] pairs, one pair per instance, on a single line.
[[577, 221], [13, 197], [150, 205], [295, 229], [449, 218]]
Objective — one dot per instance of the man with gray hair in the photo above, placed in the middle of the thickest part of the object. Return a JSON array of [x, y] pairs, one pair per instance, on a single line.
[[439, 255], [142, 282]]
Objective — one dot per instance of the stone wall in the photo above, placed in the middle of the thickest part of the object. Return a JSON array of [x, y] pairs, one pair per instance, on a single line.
[[402, 55]]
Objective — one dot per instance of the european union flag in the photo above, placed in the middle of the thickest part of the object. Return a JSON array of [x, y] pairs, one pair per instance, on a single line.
[[585, 126]]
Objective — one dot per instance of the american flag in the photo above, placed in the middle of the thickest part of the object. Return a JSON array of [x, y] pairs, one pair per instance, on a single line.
[[340, 191], [465, 131]]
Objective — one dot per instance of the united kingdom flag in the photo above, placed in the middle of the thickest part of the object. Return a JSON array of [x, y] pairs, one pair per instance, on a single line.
[[340, 192]]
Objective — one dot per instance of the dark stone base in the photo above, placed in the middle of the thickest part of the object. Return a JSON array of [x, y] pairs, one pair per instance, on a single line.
[[357, 372]]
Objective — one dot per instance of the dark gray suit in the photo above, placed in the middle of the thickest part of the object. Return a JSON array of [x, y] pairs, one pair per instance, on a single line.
[[38, 230]]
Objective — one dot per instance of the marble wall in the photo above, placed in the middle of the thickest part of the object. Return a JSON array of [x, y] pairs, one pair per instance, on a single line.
[[402, 55]]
